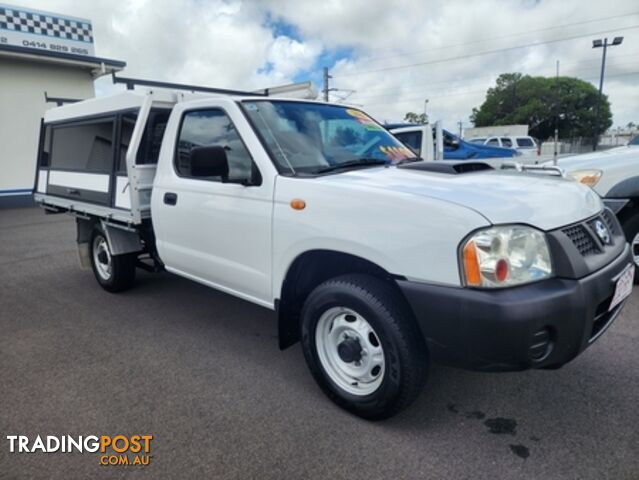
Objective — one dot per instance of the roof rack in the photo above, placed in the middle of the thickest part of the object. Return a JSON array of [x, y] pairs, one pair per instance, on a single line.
[[132, 82], [59, 101], [300, 90]]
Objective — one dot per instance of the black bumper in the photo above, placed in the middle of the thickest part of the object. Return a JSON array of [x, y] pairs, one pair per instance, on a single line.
[[540, 325]]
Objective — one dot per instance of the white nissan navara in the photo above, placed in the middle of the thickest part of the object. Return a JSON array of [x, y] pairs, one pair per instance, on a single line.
[[379, 263]]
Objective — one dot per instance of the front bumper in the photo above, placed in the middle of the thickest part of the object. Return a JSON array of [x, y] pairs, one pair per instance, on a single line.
[[540, 325]]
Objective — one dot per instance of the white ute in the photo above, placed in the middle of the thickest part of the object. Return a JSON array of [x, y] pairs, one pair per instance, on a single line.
[[378, 263], [614, 175]]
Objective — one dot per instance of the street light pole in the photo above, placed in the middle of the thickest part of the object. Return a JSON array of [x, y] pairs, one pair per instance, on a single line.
[[555, 154], [602, 44]]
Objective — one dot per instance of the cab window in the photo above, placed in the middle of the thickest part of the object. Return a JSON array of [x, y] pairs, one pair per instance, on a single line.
[[413, 140], [213, 127]]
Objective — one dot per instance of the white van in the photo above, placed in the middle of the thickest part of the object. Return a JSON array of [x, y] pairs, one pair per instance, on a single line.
[[524, 144]]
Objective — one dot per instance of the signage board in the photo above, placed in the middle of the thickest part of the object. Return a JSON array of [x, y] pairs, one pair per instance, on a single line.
[[35, 29]]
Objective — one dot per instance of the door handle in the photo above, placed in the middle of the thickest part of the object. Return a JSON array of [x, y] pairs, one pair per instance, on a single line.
[[170, 198]]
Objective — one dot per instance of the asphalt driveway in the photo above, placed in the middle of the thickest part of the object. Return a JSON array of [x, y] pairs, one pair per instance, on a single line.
[[201, 372]]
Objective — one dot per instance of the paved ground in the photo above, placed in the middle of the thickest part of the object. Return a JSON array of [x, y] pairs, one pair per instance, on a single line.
[[202, 373]]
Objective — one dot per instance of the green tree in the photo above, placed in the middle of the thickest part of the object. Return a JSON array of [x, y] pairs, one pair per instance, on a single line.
[[413, 117], [518, 99]]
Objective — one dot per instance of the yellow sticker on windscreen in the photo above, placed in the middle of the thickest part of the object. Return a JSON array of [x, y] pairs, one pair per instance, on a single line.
[[364, 120], [396, 154]]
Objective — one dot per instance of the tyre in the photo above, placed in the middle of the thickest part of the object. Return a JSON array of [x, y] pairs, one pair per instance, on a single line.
[[631, 230], [363, 346], [114, 273]]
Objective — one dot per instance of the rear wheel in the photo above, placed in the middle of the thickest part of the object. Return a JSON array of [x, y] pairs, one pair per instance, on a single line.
[[363, 347], [114, 273], [631, 230]]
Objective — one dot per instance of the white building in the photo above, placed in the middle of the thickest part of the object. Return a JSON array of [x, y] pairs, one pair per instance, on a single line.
[[39, 52], [497, 131]]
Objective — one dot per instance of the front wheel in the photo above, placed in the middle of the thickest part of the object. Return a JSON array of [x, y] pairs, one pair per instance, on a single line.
[[114, 273], [631, 230], [363, 347]]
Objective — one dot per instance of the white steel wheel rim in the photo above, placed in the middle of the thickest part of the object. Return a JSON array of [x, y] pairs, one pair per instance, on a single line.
[[635, 249], [361, 375], [102, 257]]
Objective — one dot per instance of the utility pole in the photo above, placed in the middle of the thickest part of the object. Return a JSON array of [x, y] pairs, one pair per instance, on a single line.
[[554, 157], [599, 44], [325, 88], [460, 123], [425, 113]]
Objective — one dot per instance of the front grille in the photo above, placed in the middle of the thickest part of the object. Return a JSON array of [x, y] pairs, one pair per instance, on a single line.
[[610, 221], [582, 239]]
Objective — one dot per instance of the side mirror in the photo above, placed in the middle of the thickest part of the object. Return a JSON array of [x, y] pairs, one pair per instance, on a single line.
[[209, 161], [451, 143]]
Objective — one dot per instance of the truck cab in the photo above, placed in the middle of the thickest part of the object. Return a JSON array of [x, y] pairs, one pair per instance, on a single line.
[[424, 140]]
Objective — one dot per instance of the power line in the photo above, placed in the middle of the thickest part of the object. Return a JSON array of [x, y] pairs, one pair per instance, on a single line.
[[425, 88], [383, 91], [486, 52], [454, 94], [438, 82], [501, 37]]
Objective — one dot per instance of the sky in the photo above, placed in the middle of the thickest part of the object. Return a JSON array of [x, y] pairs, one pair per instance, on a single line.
[[386, 57]]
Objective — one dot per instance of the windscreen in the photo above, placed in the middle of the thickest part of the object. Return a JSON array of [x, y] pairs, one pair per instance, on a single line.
[[313, 138]]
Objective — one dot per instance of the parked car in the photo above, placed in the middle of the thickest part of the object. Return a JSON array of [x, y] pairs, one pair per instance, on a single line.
[[525, 145], [377, 262], [614, 175], [421, 139]]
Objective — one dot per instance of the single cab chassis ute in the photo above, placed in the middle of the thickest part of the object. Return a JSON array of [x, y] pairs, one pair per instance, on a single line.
[[377, 262]]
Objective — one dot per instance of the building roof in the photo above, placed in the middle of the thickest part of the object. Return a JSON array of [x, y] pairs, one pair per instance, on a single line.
[[96, 65]]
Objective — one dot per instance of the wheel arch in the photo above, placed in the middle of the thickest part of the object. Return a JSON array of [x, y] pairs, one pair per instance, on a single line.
[[308, 270]]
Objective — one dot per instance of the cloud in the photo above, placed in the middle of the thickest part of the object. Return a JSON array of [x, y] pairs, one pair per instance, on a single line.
[[384, 35], [253, 44]]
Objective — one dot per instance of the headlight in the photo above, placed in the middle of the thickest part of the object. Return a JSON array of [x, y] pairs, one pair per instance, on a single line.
[[505, 256], [587, 177]]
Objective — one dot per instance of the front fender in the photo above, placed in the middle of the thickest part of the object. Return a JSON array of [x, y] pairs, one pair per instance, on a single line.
[[627, 188]]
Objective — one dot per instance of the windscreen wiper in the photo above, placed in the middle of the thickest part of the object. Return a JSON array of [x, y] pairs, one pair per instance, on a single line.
[[360, 162]]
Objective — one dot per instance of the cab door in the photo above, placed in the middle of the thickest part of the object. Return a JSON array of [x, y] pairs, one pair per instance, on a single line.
[[215, 228]]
